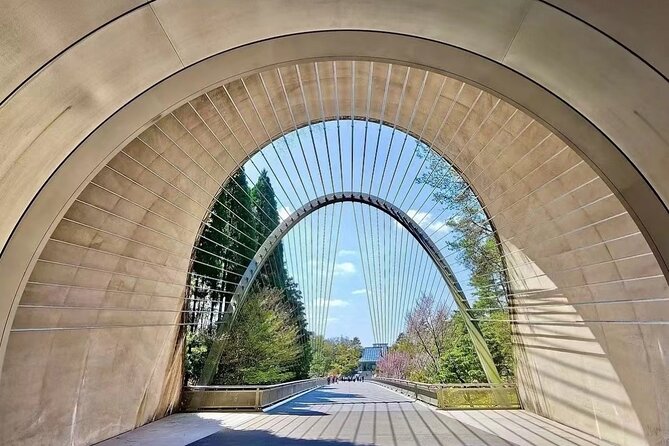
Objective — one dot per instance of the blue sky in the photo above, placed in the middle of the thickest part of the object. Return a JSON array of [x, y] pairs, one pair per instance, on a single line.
[[340, 276]]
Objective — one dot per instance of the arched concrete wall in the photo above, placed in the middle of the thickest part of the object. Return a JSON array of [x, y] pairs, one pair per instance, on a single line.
[[150, 41], [104, 90], [72, 69], [125, 243]]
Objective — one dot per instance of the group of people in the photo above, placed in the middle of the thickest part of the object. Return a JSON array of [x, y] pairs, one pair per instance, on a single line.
[[333, 379]]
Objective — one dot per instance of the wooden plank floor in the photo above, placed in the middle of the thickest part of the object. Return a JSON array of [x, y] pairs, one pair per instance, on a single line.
[[356, 414]]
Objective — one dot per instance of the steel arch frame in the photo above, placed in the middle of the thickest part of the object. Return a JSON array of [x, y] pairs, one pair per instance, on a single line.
[[272, 241]]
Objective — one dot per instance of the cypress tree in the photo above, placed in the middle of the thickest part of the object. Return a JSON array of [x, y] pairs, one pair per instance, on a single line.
[[241, 241], [274, 272], [241, 219], [205, 281]]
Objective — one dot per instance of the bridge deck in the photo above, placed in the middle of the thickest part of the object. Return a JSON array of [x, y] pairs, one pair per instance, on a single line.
[[355, 414]]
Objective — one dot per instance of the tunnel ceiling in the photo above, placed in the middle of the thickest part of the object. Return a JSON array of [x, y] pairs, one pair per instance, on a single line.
[[103, 302]]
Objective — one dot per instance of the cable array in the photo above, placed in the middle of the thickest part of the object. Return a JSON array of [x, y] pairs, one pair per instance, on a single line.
[[342, 148]]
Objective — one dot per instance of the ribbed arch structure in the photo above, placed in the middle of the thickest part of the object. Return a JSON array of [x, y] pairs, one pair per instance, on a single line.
[[98, 319], [261, 257]]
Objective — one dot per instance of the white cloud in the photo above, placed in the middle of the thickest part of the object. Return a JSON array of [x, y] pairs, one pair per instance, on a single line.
[[284, 213], [440, 227], [347, 252], [416, 215], [344, 268], [428, 222], [334, 303], [360, 291]]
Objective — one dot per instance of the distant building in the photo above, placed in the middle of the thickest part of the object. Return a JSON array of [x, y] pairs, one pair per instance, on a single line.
[[370, 356]]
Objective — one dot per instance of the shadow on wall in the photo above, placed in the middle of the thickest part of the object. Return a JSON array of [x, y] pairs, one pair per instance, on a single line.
[[263, 438], [562, 368]]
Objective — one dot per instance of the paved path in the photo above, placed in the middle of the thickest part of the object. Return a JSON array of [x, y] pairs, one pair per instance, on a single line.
[[347, 414]]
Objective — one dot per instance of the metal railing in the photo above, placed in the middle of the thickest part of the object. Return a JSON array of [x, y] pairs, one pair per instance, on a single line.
[[458, 396], [213, 398]]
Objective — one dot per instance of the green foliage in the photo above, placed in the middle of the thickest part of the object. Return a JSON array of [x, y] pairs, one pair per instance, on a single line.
[[263, 199], [445, 353], [261, 347], [337, 356], [197, 348], [459, 362], [235, 215], [473, 237], [293, 297], [276, 347], [274, 273], [222, 252]]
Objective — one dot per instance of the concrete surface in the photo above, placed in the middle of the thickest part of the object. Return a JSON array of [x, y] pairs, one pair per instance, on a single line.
[[356, 414]]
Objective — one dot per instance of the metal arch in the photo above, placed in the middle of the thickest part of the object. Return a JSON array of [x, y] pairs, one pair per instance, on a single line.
[[400, 216]]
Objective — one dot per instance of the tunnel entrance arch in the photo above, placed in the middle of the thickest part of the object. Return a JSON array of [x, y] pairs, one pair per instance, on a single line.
[[568, 283]]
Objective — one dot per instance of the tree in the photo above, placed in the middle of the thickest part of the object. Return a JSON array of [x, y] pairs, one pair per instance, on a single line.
[[394, 364], [238, 228], [264, 203], [239, 221], [473, 236], [274, 273], [221, 253], [336, 356], [262, 346], [459, 361], [474, 240], [426, 327], [293, 297]]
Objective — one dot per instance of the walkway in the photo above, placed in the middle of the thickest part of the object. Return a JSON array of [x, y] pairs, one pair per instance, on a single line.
[[347, 414]]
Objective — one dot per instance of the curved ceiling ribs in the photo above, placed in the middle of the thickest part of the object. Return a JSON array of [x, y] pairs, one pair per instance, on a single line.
[[122, 249], [273, 240]]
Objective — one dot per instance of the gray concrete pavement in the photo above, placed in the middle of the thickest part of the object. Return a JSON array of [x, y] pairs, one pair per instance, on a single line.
[[356, 414]]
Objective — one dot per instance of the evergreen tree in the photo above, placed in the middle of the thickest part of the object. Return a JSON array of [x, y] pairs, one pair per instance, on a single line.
[[222, 252], [241, 241], [298, 318], [274, 273], [240, 221], [205, 283], [264, 202]]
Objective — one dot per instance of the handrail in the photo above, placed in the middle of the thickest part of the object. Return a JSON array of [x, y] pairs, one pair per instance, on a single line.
[[246, 386], [243, 397], [448, 385], [457, 395]]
